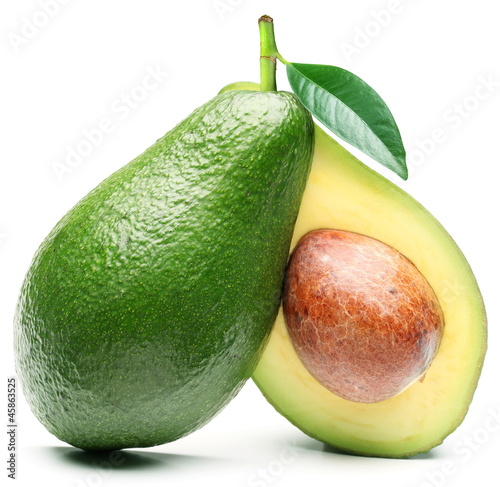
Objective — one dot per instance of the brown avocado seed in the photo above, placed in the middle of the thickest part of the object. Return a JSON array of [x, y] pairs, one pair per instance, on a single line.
[[363, 320]]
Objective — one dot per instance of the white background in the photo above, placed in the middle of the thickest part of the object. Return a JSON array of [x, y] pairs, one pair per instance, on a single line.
[[435, 63]]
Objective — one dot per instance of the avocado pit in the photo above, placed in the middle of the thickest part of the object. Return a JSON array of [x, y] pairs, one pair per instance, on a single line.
[[363, 320]]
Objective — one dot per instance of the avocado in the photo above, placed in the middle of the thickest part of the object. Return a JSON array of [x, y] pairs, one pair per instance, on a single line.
[[148, 305], [344, 194]]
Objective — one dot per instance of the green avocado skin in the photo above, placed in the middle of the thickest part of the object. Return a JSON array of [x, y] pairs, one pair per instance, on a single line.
[[147, 307]]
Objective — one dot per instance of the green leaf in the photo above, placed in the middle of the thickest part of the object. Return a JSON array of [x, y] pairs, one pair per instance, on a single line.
[[350, 108]]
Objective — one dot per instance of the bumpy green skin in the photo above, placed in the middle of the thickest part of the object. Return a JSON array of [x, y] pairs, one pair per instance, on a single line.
[[148, 305]]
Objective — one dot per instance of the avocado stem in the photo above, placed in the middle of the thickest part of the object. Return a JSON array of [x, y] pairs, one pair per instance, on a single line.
[[268, 54]]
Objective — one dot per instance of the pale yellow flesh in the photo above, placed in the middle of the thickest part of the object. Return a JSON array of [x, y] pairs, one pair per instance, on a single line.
[[342, 193]]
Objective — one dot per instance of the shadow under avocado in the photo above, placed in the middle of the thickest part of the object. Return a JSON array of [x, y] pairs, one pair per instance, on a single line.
[[126, 459], [311, 444]]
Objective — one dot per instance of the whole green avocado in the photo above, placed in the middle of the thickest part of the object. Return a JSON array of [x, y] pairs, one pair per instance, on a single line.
[[147, 307]]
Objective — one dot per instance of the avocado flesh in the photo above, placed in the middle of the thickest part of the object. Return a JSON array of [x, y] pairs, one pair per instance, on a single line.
[[344, 194], [148, 305]]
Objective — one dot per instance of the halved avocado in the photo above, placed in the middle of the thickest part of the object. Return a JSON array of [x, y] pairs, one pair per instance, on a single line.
[[344, 194]]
